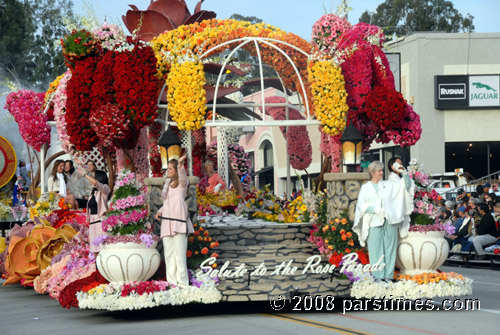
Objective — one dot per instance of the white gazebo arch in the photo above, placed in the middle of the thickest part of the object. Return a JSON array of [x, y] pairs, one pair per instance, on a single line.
[[303, 107]]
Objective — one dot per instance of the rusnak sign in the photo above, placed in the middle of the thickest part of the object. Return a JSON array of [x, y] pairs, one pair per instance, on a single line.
[[459, 92]]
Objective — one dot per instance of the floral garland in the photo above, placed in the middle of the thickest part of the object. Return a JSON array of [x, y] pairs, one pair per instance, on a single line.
[[190, 42], [414, 287], [186, 96], [60, 98], [49, 96], [79, 103], [329, 95], [26, 107], [364, 65]]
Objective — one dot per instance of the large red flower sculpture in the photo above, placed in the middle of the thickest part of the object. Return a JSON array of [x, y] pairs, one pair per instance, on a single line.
[[162, 15]]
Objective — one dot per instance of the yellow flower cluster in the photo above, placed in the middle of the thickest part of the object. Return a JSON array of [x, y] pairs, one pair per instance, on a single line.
[[186, 96], [188, 43], [329, 95], [45, 205], [296, 211], [221, 199], [52, 89], [98, 289]]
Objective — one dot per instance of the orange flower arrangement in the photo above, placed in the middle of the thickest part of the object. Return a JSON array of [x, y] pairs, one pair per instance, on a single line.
[[430, 277]]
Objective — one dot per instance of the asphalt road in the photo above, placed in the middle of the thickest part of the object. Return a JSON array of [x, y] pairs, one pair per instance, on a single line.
[[23, 311]]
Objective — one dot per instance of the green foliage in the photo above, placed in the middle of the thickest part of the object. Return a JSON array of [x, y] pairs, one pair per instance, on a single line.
[[78, 44], [403, 17], [125, 191], [421, 219], [130, 229]]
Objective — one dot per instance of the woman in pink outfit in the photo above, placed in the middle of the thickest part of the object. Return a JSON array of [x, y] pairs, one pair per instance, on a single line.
[[175, 223]]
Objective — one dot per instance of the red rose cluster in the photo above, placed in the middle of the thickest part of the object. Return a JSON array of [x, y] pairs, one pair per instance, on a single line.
[[111, 96]]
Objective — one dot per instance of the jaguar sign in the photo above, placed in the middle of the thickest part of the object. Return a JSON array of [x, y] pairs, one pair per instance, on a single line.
[[464, 92]]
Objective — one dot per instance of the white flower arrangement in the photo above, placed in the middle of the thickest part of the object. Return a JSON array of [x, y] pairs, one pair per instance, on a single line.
[[408, 289], [108, 297]]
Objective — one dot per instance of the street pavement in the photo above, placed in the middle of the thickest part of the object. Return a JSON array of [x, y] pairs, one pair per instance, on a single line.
[[23, 311]]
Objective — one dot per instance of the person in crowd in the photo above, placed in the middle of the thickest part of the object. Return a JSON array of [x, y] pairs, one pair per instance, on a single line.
[[444, 215], [486, 188], [22, 175], [461, 215], [73, 178], [97, 204], [57, 180], [175, 223], [450, 205], [461, 228], [383, 208], [215, 182], [479, 190], [85, 185], [486, 231], [394, 175], [19, 202], [473, 205]]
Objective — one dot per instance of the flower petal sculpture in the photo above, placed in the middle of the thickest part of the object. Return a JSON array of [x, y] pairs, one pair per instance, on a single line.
[[161, 16]]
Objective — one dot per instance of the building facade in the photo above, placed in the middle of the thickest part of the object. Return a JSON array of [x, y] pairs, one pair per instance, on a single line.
[[464, 136]]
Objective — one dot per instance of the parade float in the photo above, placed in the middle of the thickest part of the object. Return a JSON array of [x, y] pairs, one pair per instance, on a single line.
[[121, 97]]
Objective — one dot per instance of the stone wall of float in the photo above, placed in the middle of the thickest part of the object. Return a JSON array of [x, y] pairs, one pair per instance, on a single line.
[[342, 191], [272, 246]]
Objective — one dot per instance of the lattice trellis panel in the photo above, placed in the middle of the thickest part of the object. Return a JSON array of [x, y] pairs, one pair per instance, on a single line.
[[222, 155], [96, 156], [188, 144]]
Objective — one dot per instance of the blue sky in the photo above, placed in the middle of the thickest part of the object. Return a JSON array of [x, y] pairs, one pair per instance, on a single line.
[[296, 16]]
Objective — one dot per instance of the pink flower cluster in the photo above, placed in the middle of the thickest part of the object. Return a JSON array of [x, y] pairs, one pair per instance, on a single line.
[[143, 287], [319, 242], [130, 201], [124, 179], [326, 30], [447, 227], [298, 144], [110, 35], [26, 107], [60, 98], [330, 147], [124, 219]]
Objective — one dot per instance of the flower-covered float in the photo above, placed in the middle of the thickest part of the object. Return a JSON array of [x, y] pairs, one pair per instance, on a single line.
[[108, 99]]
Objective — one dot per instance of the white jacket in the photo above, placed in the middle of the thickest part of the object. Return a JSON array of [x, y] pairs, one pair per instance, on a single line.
[[392, 199]]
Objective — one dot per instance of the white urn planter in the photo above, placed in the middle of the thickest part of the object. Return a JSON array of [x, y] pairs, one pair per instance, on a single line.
[[128, 262], [421, 252]]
